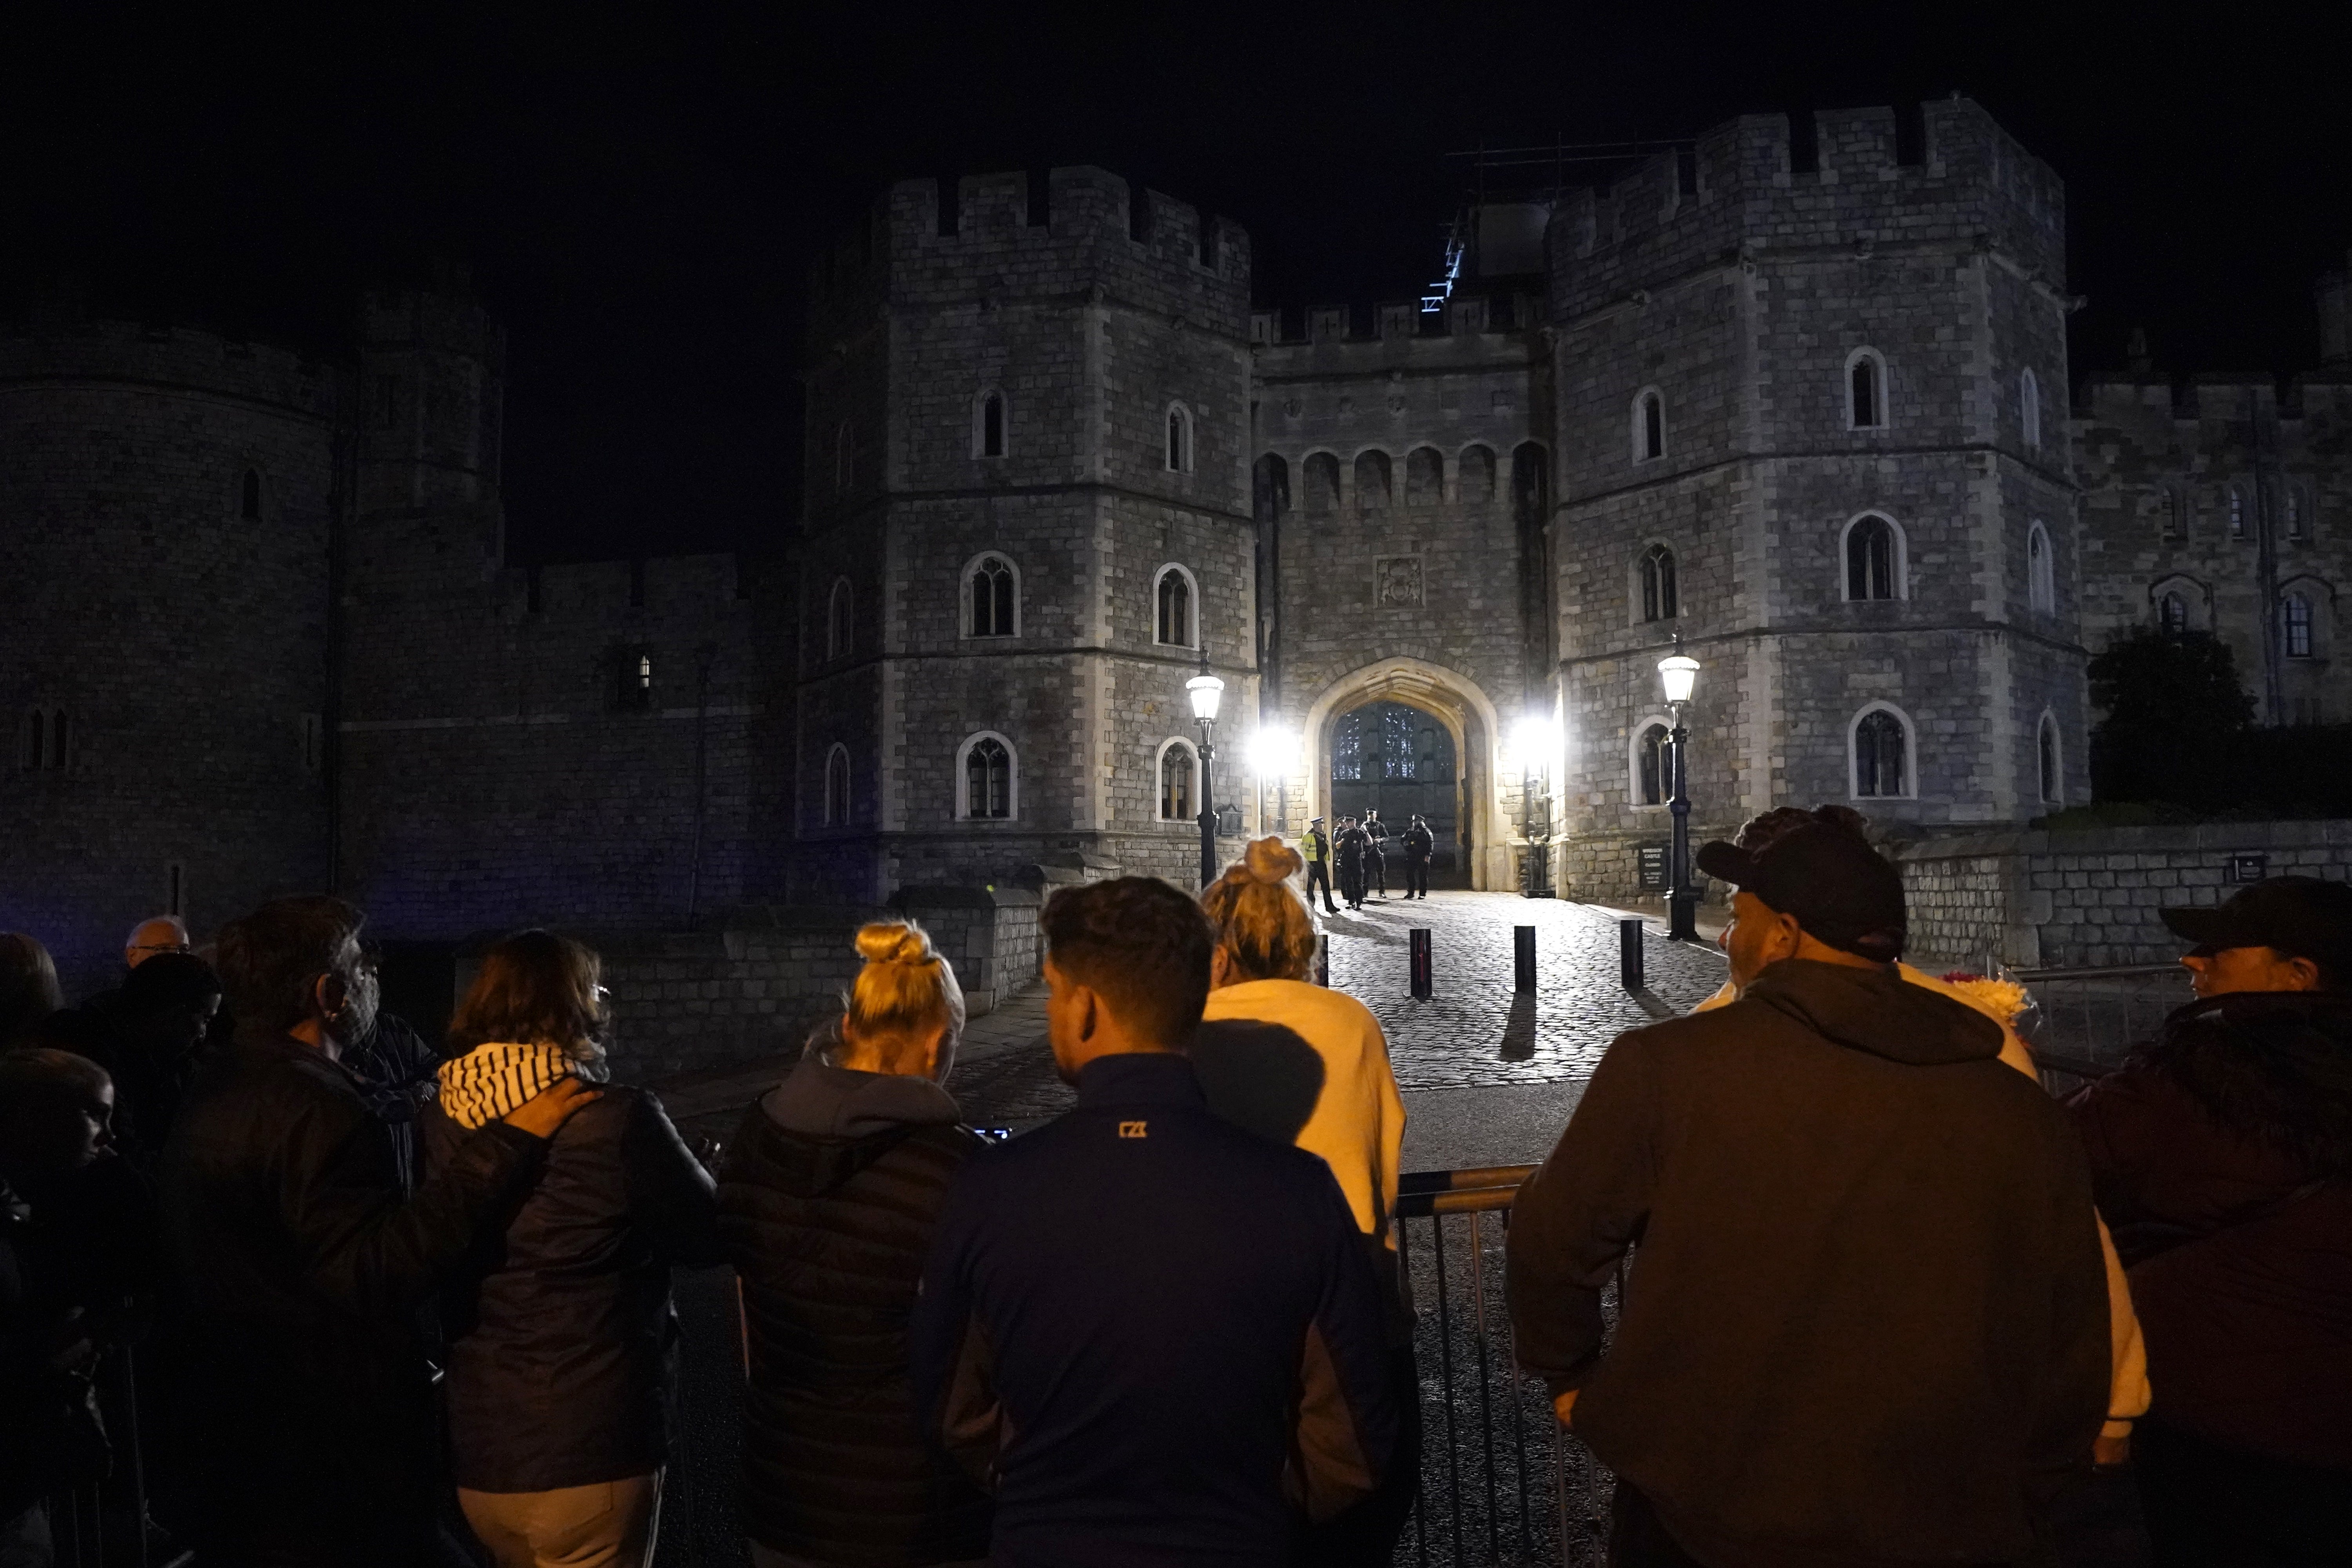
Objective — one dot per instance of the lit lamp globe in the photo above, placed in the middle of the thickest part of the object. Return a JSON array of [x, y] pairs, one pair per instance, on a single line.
[[1206, 690], [1678, 672]]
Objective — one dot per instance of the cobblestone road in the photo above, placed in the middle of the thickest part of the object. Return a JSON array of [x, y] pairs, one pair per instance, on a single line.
[[1475, 1030]]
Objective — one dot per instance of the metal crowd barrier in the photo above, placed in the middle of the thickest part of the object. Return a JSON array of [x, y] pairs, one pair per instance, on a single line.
[[2090, 1018], [104, 1524], [1500, 1482]]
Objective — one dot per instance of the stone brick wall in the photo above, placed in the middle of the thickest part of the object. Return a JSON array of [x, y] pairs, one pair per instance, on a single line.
[[2161, 465], [1740, 300], [499, 769], [759, 980], [184, 642], [2082, 899], [1090, 332]]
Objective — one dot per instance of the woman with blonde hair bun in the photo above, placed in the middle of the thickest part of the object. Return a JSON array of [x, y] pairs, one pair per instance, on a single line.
[[831, 1189], [1302, 1064]]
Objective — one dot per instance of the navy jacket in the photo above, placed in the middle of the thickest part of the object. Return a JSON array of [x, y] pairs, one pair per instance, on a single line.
[[1157, 1336]]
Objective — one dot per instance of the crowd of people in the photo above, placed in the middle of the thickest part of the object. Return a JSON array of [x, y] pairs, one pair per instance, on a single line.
[[1881, 1300]]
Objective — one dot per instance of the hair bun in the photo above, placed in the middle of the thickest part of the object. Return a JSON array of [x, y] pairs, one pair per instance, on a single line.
[[894, 942], [1269, 859]]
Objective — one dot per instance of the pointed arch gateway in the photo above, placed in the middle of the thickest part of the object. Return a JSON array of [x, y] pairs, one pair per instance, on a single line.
[[1461, 710]]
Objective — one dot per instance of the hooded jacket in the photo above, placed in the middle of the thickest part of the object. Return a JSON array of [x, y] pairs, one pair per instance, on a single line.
[[2222, 1156], [832, 1187], [561, 1337], [1868, 1318]]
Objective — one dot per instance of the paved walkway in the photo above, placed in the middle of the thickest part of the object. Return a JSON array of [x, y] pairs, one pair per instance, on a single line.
[[1489, 1076]]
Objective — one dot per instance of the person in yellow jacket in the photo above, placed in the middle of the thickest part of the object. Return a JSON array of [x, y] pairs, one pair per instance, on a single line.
[[1315, 850], [2004, 1001], [1301, 1064]]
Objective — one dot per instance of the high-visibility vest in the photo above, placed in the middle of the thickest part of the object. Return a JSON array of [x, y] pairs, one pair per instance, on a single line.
[[1313, 849]]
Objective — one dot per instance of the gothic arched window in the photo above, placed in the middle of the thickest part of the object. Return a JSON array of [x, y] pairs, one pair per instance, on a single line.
[[992, 598], [1865, 390], [1650, 755], [1881, 754], [988, 426], [1424, 477], [840, 628], [1178, 767], [2172, 614], [1476, 479], [2040, 571], [1649, 425], [1874, 559], [1173, 604], [2029, 404], [1371, 481], [836, 786], [1180, 439], [1660, 600], [2046, 756], [2296, 613], [984, 779], [1322, 483]]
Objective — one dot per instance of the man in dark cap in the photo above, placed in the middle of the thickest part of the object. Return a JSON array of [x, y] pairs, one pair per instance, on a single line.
[[1871, 1320], [2221, 1154]]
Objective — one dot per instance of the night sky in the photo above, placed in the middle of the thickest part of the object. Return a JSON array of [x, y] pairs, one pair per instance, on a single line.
[[635, 192]]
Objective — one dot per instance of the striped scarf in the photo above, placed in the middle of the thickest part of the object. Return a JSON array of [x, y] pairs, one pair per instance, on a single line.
[[492, 1080]]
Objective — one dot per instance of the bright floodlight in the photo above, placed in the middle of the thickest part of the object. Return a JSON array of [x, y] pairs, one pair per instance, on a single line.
[[1679, 673], [1204, 690], [1270, 751], [1531, 738]]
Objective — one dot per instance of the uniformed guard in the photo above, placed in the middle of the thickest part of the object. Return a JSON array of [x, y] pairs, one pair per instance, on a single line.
[[1376, 852], [1420, 843], [1315, 849], [1351, 844]]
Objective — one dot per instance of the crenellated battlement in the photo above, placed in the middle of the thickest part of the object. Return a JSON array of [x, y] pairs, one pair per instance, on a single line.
[[925, 241], [162, 355], [1492, 314], [1868, 181], [454, 323]]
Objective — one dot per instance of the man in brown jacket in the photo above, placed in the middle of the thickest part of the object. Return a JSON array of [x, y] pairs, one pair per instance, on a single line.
[[1867, 1323]]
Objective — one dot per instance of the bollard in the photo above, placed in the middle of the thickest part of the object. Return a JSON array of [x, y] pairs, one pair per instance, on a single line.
[[1322, 959], [1629, 953], [1523, 958], [1422, 990]]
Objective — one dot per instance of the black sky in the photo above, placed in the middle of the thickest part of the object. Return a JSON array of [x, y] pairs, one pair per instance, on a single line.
[[635, 191]]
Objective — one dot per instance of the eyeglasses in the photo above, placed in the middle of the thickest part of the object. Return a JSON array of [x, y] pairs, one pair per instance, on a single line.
[[160, 947]]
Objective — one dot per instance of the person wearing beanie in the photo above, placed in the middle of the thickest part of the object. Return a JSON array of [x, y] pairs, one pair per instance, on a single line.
[[1300, 1063], [1868, 1322], [2221, 1154], [831, 1191]]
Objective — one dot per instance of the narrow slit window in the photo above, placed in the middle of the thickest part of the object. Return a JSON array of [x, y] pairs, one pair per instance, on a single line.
[[1651, 762], [1174, 618], [992, 425], [2172, 614]]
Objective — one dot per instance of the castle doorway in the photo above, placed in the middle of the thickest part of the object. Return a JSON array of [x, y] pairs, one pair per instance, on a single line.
[[1399, 760], [1382, 710]]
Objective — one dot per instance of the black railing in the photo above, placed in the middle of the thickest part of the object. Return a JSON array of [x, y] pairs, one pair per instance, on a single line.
[[2086, 1020], [1500, 1481]]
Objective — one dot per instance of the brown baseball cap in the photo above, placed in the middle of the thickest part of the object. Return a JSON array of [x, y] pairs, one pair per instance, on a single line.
[[1840, 890]]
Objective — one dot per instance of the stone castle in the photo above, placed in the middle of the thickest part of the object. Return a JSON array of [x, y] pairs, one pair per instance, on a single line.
[[1795, 392]]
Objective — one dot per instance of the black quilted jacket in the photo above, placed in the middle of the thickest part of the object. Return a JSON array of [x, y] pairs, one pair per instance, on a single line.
[[827, 1203]]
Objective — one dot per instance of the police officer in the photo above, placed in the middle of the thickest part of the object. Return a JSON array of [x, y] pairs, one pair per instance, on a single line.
[[1376, 850], [1315, 849], [1420, 843], [1352, 843]]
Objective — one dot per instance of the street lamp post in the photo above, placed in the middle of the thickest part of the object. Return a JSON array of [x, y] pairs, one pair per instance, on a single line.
[[1678, 672], [1205, 689]]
